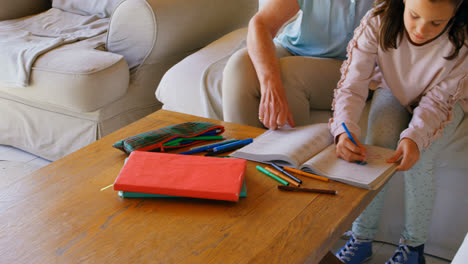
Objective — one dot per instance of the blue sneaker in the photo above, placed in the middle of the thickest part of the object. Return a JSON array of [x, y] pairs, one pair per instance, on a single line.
[[355, 251], [408, 255]]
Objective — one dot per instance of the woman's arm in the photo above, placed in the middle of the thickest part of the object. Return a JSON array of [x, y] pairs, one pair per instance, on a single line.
[[273, 108]]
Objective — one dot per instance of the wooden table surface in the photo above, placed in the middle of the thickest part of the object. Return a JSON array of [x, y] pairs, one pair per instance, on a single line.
[[59, 214]]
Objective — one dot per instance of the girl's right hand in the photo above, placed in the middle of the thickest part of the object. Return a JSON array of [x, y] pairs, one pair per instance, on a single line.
[[346, 149]]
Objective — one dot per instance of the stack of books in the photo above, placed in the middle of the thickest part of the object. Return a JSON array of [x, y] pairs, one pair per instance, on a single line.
[[152, 174]]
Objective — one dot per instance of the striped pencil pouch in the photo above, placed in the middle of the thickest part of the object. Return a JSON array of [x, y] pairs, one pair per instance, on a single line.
[[160, 139]]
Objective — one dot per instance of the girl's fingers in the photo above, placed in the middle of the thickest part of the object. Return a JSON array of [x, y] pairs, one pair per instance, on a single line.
[[396, 156], [350, 152], [409, 153], [407, 162], [350, 156], [404, 164], [352, 147]]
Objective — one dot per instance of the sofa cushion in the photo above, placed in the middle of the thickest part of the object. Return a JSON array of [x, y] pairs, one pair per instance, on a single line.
[[199, 91], [101, 8], [76, 76]]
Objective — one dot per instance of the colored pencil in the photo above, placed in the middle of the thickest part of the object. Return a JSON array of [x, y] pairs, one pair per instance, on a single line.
[[297, 189], [303, 173], [285, 173], [291, 181], [271, 175]]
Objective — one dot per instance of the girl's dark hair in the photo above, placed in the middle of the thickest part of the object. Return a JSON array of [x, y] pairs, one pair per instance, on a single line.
[[392, 27]]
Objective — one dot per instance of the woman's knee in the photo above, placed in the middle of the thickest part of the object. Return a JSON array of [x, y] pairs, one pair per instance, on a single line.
[[313, 78], [239, 64]]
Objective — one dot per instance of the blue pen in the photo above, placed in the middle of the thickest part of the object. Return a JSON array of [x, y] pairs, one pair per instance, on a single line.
[[212, 145], [233, 144], [349, 134], [229, 147], [201, 149], [354, 141], [285, 172]]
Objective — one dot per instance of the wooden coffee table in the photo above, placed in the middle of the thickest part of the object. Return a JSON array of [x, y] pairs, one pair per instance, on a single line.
[[59, 214]]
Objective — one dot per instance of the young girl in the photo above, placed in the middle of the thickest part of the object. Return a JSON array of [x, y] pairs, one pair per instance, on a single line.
[[416, 51]]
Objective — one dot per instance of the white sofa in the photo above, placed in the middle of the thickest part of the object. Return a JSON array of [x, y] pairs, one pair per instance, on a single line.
[[187, 94], [84, 90]]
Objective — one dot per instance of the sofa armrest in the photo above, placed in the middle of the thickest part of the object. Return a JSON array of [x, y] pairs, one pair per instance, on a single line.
[[20, 8], [153, 30]]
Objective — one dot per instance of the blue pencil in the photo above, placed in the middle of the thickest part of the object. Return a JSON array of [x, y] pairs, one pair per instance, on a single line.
[[354, 141], [233, 144], [201, 149], [285, 172], [349, 134]]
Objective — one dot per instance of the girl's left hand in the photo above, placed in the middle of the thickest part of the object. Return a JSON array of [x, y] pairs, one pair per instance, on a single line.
[[410, 152]]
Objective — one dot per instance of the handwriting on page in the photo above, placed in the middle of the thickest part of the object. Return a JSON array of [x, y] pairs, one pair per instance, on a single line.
[[327, 163]]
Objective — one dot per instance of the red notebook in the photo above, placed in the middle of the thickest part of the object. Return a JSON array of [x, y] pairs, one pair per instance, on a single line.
[[182, 175]]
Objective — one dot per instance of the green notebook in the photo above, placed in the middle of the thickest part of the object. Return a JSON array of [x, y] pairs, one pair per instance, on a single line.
[[243, 193]]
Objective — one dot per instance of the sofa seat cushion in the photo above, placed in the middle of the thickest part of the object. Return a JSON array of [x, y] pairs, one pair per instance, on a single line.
[[76, 76]]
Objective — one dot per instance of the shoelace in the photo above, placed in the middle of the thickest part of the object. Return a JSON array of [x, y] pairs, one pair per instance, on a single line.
[[348, 249], [400, 255]]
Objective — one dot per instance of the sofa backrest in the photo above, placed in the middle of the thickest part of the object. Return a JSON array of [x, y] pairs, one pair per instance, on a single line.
[[101, 8], [20, 8]]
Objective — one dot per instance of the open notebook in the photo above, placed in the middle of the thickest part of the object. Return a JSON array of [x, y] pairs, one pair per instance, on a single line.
[[311, 149]]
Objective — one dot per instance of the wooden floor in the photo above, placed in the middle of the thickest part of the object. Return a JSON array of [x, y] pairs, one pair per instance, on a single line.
[[15, 163]]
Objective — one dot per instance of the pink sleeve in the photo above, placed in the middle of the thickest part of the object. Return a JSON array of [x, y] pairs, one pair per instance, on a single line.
[[435, 109], [356, 74]]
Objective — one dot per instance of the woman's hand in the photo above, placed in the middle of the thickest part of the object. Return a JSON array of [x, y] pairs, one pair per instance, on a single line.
[[346, 149], [409, 151], [273, 109]]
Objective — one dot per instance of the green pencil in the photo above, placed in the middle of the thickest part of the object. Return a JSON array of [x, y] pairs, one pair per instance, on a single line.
[[272, 175]]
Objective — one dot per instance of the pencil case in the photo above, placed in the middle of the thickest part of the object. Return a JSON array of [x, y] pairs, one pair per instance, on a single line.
[[153, 140]]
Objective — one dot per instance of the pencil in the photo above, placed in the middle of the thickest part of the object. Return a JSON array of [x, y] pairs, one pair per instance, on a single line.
[[282, 176], [271, 175], [297, 189], [354, 142], [303, 173], [349, 134], [285, 173], [108, 186], [212, 145]]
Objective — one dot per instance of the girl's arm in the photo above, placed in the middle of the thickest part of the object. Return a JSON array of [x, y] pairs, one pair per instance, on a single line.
[[434, 111], [352, 91], [435, 108]]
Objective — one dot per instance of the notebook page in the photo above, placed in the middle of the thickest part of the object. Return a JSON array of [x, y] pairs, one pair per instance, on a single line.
[[291, 145], [327, 164]]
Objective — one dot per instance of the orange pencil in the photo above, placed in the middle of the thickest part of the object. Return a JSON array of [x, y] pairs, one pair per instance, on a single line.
[[282, 176], [303, 173]]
